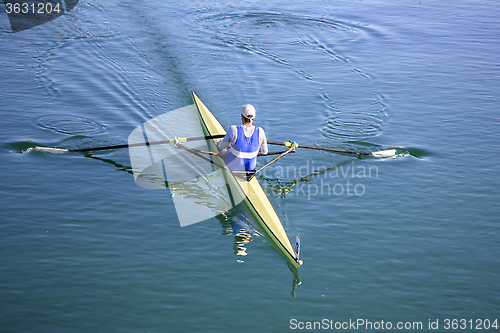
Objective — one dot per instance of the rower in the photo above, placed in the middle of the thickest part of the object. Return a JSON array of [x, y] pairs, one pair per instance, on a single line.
[[246, 142]]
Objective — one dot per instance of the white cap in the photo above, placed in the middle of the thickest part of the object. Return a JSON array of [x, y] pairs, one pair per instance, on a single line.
[[248, 111]]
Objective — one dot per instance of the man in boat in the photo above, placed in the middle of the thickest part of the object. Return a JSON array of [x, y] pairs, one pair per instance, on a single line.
[[245, 140]]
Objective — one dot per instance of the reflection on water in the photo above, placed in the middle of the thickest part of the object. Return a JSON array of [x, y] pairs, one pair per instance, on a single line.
[[296, 280], [280, 188], [234, 221]]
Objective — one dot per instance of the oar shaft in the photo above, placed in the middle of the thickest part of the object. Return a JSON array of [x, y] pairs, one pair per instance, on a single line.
[[199, 138], [287, 144], [385, 153], [197, 153], [289, 150]]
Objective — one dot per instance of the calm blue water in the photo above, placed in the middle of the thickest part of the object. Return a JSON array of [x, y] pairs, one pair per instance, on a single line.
[[84, 249]]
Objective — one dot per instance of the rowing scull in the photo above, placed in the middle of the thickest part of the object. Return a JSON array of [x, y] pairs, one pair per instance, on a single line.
[[248, 192]]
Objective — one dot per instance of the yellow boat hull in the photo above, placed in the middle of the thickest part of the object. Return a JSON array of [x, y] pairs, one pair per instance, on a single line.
[[249, 193]]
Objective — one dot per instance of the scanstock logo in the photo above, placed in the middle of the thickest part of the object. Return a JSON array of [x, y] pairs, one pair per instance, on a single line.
[[28, 13], [199, 188]]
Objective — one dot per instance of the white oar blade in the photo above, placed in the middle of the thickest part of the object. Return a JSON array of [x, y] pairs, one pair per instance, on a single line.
[[385, 153], [50, 150]]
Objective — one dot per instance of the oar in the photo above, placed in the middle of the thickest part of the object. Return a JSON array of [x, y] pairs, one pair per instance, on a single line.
[[289, 150], [382, 153], [62, 150]]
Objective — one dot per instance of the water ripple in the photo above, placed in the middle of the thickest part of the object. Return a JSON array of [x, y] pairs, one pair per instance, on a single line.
[[354, 124], [278, 37], [71, 125]]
